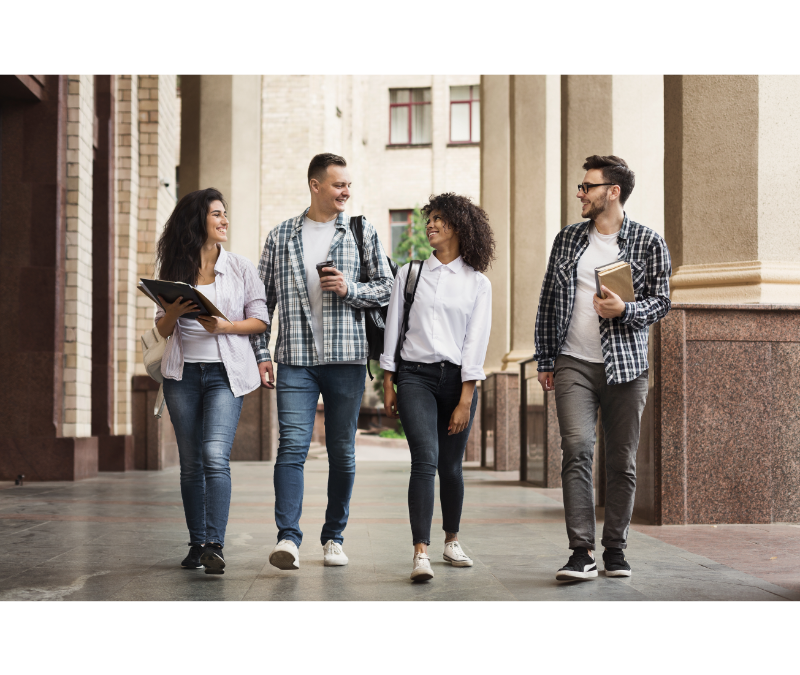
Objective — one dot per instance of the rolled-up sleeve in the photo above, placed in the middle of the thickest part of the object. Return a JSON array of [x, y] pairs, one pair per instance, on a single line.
[[394, 320], [476, 342], [255, 297]]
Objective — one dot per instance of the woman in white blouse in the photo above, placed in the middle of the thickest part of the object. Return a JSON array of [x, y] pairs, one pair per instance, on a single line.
[[438, 362]]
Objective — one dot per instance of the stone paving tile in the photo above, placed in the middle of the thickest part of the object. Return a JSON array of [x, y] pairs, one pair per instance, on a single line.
[[122, 536]]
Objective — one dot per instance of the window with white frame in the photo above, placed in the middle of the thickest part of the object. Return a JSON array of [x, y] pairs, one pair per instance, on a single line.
[[465, 114], [400, 222], [410, 116]]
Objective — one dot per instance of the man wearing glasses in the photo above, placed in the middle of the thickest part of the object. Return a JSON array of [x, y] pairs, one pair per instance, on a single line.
[[593, 353]]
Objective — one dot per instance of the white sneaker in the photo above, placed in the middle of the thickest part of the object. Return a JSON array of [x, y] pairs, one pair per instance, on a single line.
[[332, 554], [455, 556], [422, 568], [285, 555]]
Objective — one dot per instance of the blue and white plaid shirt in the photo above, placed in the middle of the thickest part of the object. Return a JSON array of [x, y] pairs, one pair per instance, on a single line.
[[623, 339], [283, 272]]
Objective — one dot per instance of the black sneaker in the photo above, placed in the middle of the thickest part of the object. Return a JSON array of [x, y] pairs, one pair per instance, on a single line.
[[192, 561], [579, 566], [212, 559], [615, 563]]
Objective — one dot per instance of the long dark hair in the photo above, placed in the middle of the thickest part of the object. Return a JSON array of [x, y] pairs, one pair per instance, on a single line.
[[178, 248], [475, 237]]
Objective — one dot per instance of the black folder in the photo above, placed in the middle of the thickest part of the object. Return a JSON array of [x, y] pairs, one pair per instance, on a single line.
[[172, 290]]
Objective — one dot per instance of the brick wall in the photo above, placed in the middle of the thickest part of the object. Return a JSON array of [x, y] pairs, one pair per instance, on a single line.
[[159, 130], [78, 295], [127, 198]]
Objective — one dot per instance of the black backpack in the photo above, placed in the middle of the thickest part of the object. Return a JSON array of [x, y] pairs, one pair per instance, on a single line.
[[376, 316]]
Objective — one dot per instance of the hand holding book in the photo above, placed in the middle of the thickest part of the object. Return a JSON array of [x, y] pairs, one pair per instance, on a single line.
[[614, 288]]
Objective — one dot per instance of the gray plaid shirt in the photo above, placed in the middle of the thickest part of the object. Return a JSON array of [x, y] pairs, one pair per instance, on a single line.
[[623, 339], [283, 272]]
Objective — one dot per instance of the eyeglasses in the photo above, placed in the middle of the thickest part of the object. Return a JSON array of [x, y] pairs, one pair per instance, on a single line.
[[585, 187]]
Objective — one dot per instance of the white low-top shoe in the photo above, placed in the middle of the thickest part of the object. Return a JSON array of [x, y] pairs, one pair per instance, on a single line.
[[285, 555], [455, 556], [422, 568], [332, 554]]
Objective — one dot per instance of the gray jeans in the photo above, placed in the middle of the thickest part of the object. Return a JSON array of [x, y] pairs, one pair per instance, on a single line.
[[581, 388]]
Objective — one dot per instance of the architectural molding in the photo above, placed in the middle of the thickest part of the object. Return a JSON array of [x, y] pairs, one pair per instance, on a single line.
[[746, 281]]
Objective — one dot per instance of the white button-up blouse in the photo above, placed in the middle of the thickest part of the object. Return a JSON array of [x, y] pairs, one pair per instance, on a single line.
[[240, 295], [450, 319]]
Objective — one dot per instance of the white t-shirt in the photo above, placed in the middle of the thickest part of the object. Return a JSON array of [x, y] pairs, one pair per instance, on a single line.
[[317, 239], [200, 346], [583, 334]]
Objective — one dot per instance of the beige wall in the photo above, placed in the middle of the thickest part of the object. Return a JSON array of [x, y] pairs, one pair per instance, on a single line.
[[496, 201], [349, 115], [77, 417]]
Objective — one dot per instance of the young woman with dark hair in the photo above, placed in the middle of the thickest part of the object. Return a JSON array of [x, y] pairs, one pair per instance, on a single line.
[[441, 359], [208, 365]]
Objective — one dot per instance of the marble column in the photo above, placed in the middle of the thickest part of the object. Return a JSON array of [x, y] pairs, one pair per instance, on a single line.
[[732, 151], [221, 148]]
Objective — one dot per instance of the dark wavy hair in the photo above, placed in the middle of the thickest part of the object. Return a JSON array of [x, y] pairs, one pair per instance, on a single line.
[[475, 237], [178, 248]]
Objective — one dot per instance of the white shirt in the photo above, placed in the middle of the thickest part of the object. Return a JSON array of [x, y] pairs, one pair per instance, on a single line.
[[583, 334], [200, 346], [450, 319], [317, 239]]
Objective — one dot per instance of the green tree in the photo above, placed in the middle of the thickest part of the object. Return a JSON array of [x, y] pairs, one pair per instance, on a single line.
[[413, 245]]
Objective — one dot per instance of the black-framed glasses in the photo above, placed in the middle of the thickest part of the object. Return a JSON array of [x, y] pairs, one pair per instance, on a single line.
[[585, 187]]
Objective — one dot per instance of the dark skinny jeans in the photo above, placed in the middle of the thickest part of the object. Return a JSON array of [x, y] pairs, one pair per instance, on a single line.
[[427, 395]]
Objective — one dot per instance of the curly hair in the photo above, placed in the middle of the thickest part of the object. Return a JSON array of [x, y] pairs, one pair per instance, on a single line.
[[475, 237]]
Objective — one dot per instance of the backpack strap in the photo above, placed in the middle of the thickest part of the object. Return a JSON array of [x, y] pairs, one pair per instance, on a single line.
[[409, 292], [357, 228]]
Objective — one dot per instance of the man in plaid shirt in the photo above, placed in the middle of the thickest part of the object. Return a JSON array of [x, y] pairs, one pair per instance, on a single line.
[[322, 348], [593, 353]]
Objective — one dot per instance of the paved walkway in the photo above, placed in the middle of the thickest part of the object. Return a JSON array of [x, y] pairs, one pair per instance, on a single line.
[[122, 536]]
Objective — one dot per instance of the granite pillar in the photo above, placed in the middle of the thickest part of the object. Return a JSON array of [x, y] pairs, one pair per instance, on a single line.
[[33, 185], [726, 418], [500, 449]]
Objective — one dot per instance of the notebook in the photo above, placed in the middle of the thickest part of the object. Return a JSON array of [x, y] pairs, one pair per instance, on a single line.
[[617, 278], [171, 290]]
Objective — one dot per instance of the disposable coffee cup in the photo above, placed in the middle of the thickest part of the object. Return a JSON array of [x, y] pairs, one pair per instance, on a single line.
[[327, 263]]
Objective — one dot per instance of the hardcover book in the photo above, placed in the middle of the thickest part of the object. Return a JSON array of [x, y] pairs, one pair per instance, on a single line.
[[617, 278]]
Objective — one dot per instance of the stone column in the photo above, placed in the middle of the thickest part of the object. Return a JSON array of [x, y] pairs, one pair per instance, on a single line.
[[496, 201], [731, 153], [535, 167], [159, 129], [221, 148]]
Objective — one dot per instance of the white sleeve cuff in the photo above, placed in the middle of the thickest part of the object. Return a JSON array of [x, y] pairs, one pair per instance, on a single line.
[[387, 363], [469, 373]]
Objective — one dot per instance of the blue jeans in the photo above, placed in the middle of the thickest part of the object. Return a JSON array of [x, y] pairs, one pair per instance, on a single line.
[[427, 395], [298, 389], [205, 414]]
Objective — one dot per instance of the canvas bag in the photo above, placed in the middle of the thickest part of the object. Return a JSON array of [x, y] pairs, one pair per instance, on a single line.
[[153, 346]]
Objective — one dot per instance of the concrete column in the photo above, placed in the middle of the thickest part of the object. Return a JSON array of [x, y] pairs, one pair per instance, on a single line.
[[221, 148], [535, 167], [731, 153], [496, 201], [586, 129]]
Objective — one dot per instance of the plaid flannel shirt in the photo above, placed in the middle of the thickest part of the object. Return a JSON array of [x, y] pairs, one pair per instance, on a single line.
[[623, 339], [283, 272]]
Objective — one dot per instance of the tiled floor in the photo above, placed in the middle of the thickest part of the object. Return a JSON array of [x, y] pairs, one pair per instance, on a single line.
[[122, 536]]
